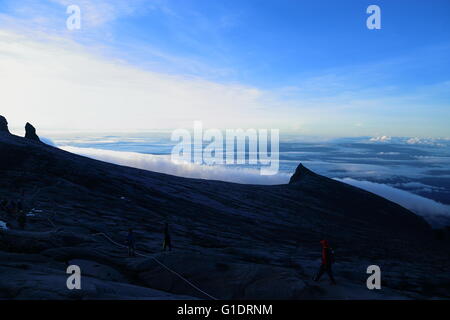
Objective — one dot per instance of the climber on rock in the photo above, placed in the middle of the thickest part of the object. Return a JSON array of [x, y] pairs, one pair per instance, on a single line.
[[167, 242], [131, 242], [327, 261]]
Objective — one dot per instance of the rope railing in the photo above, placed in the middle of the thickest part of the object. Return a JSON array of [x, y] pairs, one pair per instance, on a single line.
[[161, 264], [156, 260]]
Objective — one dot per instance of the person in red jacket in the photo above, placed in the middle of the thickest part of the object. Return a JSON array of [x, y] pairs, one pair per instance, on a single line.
[[327, 261]]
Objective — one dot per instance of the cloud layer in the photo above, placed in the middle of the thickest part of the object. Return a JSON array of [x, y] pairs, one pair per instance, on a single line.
[[437, 214], [163, 164]]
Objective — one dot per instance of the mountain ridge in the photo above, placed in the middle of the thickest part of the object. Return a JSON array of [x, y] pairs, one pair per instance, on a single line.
[[262, 231]]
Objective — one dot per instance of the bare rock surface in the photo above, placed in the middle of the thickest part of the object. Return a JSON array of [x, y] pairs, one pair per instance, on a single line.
[[232, 241]]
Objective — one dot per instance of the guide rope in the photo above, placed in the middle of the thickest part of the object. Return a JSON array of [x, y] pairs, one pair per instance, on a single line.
[[160, 263], [146, 256]]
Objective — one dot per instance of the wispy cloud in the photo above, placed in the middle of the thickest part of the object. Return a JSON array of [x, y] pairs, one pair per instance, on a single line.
[[68, 87], [94, 13]]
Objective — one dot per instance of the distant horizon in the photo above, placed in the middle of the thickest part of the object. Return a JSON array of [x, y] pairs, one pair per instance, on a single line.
[[20, 131]]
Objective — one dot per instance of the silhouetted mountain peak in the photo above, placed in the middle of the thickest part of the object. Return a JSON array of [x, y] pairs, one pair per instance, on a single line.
[[30, 132], [300, 173], [3, 125]]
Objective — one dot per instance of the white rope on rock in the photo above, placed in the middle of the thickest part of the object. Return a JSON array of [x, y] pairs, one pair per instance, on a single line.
[[160, 263], [156, 260]]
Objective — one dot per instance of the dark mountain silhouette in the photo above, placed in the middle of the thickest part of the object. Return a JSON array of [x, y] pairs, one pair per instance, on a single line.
[[30, 132], [3, 125], [233, 241], [301, 174]]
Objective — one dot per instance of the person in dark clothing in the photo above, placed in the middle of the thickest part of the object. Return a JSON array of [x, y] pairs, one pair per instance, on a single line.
[[19, 205], [22, 219], [167, 243], [327, 261], [11, 207], [131, 242], [16, 209], [3, 204]]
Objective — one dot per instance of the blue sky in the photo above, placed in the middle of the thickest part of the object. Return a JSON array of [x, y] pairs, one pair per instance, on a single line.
[[277, 43], [310, 67]]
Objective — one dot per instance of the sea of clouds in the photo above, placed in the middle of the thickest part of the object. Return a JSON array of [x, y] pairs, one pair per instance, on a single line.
[[164, 164], [437, 214]]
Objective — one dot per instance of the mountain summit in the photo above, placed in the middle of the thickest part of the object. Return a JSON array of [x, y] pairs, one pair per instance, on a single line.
[[300, 174]]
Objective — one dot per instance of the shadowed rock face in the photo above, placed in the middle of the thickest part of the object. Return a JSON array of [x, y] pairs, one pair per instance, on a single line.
[[300, 174], [234, 241], [30, 132], [3, 125]]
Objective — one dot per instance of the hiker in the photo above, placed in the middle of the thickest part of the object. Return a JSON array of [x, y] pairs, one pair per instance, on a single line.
[[131, 243], [19, 205], [167, 242], [3, 204], [3, 212], [22, 219], [327, 261], [11, 207]]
